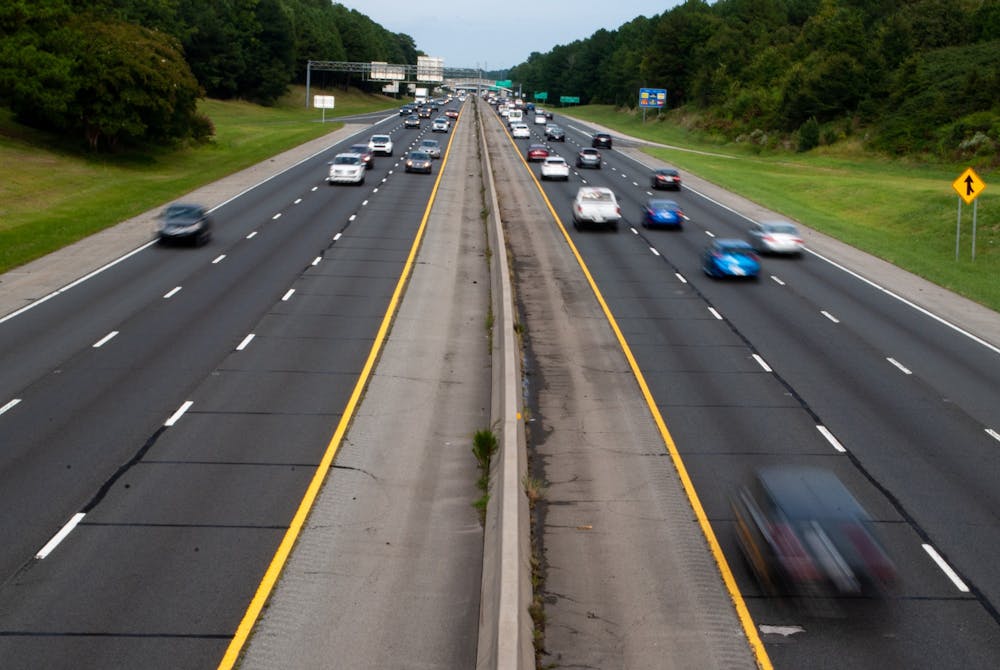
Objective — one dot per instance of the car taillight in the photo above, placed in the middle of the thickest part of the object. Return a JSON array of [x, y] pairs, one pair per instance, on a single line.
[[618, 211], [793, 554]]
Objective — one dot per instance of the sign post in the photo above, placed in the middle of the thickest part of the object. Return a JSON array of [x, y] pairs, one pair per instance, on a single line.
[[968, 186]]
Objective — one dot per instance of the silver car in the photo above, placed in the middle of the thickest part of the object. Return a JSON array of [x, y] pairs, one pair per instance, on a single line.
[[775, 237], [433, 147]]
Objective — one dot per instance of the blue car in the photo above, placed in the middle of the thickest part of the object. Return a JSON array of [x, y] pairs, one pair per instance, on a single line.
[[663, 213], [730, 258]]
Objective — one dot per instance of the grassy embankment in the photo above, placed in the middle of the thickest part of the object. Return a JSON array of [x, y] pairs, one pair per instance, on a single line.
[[904, 212], [53, 193]]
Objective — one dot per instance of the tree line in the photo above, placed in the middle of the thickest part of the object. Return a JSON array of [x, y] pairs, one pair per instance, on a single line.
[[127, 71], [919, 76]]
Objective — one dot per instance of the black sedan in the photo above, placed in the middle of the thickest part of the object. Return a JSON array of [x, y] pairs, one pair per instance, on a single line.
[[419, 161], [185, 222], [668, 178], [601, 141], [412, 121]]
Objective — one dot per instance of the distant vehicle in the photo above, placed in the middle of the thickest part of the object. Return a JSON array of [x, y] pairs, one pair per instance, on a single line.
[[419, 161], [380, 144], [597, 205], [537, 152], [665, 213], [668, 178], [730, 258], [432, 147], [346, 169], [554, 133], [514, 116], [412, 121], [775, 237], [185, 222], [804, 534], [555, 167], [441, 125], [406, 110], [601, 141], [520, 131], [451, 113], [540, 120], [590, 158], [425, 112], [367, 155]]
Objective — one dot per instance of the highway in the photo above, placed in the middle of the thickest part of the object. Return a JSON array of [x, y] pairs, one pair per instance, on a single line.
[[810, 365], [161, 422]]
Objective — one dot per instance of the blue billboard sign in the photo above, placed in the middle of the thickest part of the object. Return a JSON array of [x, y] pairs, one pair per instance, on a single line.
[[652, 98]]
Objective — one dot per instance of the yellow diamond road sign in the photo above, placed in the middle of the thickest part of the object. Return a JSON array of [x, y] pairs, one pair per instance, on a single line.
[[968, 186]]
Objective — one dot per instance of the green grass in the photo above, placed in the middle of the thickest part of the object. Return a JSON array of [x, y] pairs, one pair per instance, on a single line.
[[53, 192], [904, 212]]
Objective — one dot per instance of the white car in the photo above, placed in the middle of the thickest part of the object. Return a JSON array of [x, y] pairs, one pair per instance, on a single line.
[[775, 237], [441, 125], [540, 120], [598, 205], [520, 131], [346, 169], [380, 144], [555, 167]]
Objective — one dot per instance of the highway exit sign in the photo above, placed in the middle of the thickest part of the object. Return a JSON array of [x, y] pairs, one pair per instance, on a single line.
[[968, 186]]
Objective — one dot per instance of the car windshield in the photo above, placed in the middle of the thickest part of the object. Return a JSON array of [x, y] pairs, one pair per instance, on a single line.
[[430, 144], [380, 139], [346, 160], [596, 196], [182, 213], [419, 155], [554, 161], [670, 173]]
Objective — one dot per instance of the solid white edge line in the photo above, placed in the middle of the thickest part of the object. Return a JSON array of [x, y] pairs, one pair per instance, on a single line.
[[287, 295], [905, 370], [715, 313], [829, 316], [246, 340], [760, 361], [945, 568], [60, 536], [179, 413], [834, 442], [681, 278], [104, 340], [172, 292], [10, 405], [989, 431]]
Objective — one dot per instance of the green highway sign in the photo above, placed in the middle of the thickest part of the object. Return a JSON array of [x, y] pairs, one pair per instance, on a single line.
[[572, 99], [504, 83], [543, 95]]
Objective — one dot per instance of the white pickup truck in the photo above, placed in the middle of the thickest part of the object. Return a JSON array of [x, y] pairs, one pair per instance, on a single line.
[[596, 205]]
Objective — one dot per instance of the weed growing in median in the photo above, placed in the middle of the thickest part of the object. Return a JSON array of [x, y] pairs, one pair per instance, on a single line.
[[484, 447]]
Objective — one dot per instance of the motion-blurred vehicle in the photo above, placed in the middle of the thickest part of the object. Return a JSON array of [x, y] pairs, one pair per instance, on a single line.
[[346, 169], [380, 144], [540, 119], [601, 141], [367, 155], [425, 112], [554, 133], [555, 167], [537, 152], [451, 113], [184, 222], [406, 110], [730, 258], [596, 205], [419, 161], [441, 125], [803, 533], [412, 121], [775, 237], [432, 147], [589, 158], [666, 213], [667, 178]]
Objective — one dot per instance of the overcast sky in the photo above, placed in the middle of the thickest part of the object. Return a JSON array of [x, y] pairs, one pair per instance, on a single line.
[[498, 35]]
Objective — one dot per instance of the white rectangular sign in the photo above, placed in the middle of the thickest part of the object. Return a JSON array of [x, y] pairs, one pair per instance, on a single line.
[[323, 101]]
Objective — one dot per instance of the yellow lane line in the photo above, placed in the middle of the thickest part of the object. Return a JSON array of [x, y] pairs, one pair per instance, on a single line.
[[270, 579], [749, 628]]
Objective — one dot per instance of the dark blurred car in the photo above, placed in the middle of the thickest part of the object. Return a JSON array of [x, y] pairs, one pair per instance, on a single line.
[[425, 112], [590, 158], [412, 121], [803, 533], [367, 156], [537, 152], [406, 110], [554, 133], [601, 141], [665, 213], [730, 258], [419, 161], [185, 222], [665, 178]]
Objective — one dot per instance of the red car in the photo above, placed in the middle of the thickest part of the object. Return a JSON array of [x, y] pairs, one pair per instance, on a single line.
[[537, 152], [451, 113]]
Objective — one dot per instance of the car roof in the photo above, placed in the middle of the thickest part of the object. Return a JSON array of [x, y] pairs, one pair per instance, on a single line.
[[806, 492], [660, 203], [593, 190], [380, 138], [734, 244], [555, 159], [588, 150]]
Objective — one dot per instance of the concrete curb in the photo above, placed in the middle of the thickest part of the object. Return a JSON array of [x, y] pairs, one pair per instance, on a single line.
[[505, 627]]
